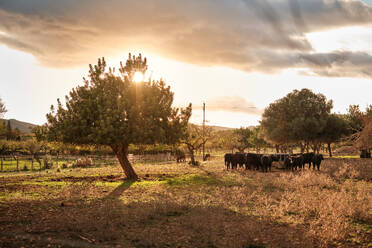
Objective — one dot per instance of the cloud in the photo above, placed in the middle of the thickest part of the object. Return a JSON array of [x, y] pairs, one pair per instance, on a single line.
[[235, 104], [250, 35], [333, 64]]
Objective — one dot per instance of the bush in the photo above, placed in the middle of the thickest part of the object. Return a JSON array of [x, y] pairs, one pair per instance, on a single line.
[[83, 163]]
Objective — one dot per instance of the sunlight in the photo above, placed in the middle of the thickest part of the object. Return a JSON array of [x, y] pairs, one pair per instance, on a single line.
[[138, 77]]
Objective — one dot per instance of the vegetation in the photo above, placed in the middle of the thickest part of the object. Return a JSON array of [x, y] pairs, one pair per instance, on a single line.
[[116, 111], [176, 205], [195, 138], [303, 118]]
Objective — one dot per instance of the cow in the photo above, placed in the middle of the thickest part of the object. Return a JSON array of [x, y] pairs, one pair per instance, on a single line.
[[317, 160], [228, 160], [253, 161], [207, 157], [287, 163], [181, 157], [238, 159], [266, 162], [297, 161], [308, 158]]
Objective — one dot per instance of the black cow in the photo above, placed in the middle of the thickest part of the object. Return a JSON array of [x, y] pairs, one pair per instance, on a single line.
[[287, 163], [253, 161], [297, 161], [181, 158], [207, 157], [317, 160], [266, 162], [308, 159], [238, 159], [228, 160]]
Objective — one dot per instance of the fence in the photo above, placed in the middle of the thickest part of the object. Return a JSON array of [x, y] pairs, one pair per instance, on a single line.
[[28, 162]]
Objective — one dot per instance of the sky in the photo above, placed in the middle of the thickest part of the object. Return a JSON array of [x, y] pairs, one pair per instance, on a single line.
[[236, 56]]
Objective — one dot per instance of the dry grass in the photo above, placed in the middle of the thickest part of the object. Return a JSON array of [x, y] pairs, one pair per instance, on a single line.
[[175, 205]]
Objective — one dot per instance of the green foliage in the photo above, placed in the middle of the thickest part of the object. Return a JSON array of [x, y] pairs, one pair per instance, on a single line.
[[110, 109], [2, 109], [243, 138], [40, 132], [257, 140], [355, 118], [300, 116], [336, 128]]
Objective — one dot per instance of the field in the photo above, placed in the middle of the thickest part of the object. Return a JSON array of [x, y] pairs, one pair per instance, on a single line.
[[176, 205]]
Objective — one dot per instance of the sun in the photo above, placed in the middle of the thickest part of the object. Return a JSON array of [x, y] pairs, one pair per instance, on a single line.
[[138, 77]]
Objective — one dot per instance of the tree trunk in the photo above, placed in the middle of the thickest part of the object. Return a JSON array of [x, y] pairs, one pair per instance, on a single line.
[[302, 147], [122, 154], [277, 148], [329, 150], [192, 157]]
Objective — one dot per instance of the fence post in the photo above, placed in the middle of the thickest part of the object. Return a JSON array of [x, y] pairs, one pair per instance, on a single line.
[[17, 164]]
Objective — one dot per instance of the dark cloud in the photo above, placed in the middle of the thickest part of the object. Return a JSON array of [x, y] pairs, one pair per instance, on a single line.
[[250, 35], [235, 104]]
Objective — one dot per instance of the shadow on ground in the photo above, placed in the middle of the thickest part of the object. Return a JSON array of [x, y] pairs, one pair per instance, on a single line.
[[160, 222]]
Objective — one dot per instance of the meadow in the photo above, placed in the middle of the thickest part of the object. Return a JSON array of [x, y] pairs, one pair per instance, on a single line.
[[178, 205]]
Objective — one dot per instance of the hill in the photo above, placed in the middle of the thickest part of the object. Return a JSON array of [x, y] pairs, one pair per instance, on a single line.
[[24, 127], [219, 128]]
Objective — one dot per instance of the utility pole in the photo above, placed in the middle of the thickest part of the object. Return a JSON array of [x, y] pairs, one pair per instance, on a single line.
[[203, 130]]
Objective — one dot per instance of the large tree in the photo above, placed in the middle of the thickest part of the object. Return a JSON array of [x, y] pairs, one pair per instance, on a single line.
[[112, 109], [299, 117]]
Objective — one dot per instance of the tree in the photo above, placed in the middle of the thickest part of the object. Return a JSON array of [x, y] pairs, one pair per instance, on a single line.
[[2, 126], [355, 118], [111, 109], [40, 132], [257, 139], [243, 138], [2, 109], [299, 117], [33, 148], [335, 129], [195, 138]]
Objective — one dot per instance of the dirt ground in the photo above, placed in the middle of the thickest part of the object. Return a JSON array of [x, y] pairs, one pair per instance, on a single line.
[[176, 205]]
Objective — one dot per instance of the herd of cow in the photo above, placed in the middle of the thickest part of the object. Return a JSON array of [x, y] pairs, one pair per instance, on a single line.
[[264, 162]]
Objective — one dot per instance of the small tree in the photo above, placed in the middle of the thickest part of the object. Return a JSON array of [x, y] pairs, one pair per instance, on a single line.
[[40, 132], [195, 138], [33, 148], [335, 129], [2, 109], [257, 139], [243, 138], [112, 109]]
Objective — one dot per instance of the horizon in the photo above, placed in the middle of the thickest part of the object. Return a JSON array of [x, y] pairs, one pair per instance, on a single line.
[[236, 57]]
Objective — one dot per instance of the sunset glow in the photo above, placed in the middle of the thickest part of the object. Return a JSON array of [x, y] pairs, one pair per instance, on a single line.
[[229, 60], [138, 77]]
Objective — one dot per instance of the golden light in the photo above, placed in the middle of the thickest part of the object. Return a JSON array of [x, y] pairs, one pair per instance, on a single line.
[[138, 77]]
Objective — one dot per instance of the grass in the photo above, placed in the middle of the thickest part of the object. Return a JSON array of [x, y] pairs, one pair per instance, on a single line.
[[176, 205]]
